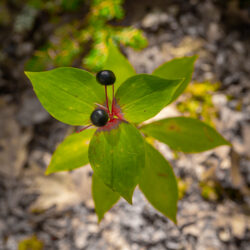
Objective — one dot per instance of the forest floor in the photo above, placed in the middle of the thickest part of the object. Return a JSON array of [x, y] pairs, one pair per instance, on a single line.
[[214, 210]]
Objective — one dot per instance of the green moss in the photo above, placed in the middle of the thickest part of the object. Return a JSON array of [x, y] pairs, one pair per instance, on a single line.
[[182, 188], [210, 190], [72, 40], [198, 103], [31, 243]]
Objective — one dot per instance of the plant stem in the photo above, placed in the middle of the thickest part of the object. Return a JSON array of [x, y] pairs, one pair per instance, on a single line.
[[113, 99], [107, 100], [84, 128]]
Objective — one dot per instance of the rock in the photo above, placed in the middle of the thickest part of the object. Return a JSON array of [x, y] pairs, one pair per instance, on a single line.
[[154, 19], [11, 243], [246, 138], [174, 245], [208, 238], [219, 100], [192, 230], [31, 111], [239, 47], [224, 235], [59, 189], [147, 60], [25, 20], [24, 49], [81, 236], [239, 224], [214, 32], [168, 111], [39, 158], [13, 142]]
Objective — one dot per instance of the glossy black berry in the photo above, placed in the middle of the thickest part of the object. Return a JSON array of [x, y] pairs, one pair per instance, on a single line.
[[105, 77], [99, 117]]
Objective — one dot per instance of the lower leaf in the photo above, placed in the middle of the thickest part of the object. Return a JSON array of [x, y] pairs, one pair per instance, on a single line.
[[104, 198], [185, 134], [158, 183], [117, 156], [71, 153]]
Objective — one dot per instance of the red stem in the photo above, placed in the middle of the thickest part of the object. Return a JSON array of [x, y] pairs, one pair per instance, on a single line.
[[104, 107], [113, 99], [84, 128], [107, 100]]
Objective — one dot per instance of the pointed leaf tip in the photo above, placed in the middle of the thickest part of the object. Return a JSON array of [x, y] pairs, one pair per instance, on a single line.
[[117, 157], [143, 96], [185, 134], [158, 183], [68, 94], [104, 198], [177, 68]]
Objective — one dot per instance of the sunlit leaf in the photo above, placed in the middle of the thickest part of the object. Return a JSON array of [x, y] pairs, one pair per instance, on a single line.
[[143, 96], [158, 183], [177, 68], [117, 156], [71, 153], [104, 197], [68, 94], [185, 134]]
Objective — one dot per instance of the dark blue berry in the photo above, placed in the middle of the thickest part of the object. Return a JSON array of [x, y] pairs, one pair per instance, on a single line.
[[105, 77], [99, 117]]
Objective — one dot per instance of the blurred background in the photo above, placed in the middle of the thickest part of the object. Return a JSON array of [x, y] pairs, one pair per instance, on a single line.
[[57, 212]]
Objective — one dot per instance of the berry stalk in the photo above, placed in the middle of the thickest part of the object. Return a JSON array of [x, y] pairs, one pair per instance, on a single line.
[[107, 100], [84, 128], [113, 100]]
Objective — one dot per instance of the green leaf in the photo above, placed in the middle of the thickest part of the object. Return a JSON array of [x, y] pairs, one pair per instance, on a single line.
[[158, 183], [185, 134], [119, 64], [117, 156], [177, 68], [104, 197], [71, 153], [68, 94], [143, 96]]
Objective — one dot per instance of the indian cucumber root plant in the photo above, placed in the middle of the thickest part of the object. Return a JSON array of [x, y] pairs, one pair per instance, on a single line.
[[112, 106]]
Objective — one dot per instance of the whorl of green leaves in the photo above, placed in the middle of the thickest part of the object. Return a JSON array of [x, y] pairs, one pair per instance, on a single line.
[[120, 155]]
